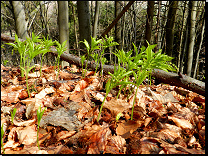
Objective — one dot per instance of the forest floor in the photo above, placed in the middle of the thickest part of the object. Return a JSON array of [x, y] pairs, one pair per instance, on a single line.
[[166, 119]]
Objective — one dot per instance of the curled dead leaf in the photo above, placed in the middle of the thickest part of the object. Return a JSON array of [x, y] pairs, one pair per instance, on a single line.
[[181, 122], [98, 141]]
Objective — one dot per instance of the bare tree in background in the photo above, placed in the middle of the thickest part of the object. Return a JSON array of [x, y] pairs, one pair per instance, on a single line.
[[63, 25], [118, 25], [84, 22], [148, 32], [201, 40], [170, 27], [19, 16], [158, 27], [96, 18], [182, 34], [191, 37]]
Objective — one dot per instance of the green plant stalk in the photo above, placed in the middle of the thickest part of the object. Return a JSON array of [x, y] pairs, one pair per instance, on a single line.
[[132, 110], [2, 134], [38, 137], [41, 65], [28, 90], [82, 61], [39, 116], [118, 116], [102, 106], [13, 114], [130, 91], [58, 68]]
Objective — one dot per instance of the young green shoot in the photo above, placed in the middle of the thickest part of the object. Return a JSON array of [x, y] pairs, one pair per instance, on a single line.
[[2, 134], [60, 49], [39, 116], [118, 116], [47, 44], [83, 58], [13, 114], [28, 50], [91, 49], [115, 80]]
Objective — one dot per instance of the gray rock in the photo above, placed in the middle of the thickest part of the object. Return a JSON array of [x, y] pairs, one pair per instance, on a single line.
[[63, 118]]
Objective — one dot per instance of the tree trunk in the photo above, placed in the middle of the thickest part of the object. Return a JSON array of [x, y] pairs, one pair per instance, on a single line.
[[170, 27], [84, 22], [184, 48], [96, 18], [123, 26], [63, 25], [118, 25], [197, 58], [181, 35], [164, 21], [158, 27], [20, 23], [134, 23], [148, 33], [192, 37], [75, 29]]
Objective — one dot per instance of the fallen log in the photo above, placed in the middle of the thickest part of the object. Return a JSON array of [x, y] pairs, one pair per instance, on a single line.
[[159, 75]]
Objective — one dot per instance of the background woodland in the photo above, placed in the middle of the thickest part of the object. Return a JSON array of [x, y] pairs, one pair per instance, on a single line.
[[177, 27]]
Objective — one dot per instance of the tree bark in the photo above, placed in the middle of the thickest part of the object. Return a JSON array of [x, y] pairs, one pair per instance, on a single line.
[[181, 35], [170, 27], [197, 58], [192, 37], [160, 75], [158, 27], [84, 22], [63, 25], [20, 23], [75, 29], [148, 32], [96, 18], [118, 25]]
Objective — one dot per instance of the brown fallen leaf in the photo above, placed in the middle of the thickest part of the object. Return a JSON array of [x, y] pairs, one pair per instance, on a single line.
[[98, 141], [27, 135], [12, 139], [116, 145], [148, 146], [127, 128], [181, 122], [24, 123], [65, 134], [44, 92], [116, 106]]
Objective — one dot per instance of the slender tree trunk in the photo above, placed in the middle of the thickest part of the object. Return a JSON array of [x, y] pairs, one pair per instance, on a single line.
[[118, 25], [124, 26], [75, 29], [184, 48], [20, 23], [192, 37], [170, 27], [181, 35], [96, 18], [84, 22], [134, 23], [63, 25], [197, 58], [164, 21], [44, 17], [148, 33], [158, 27]]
